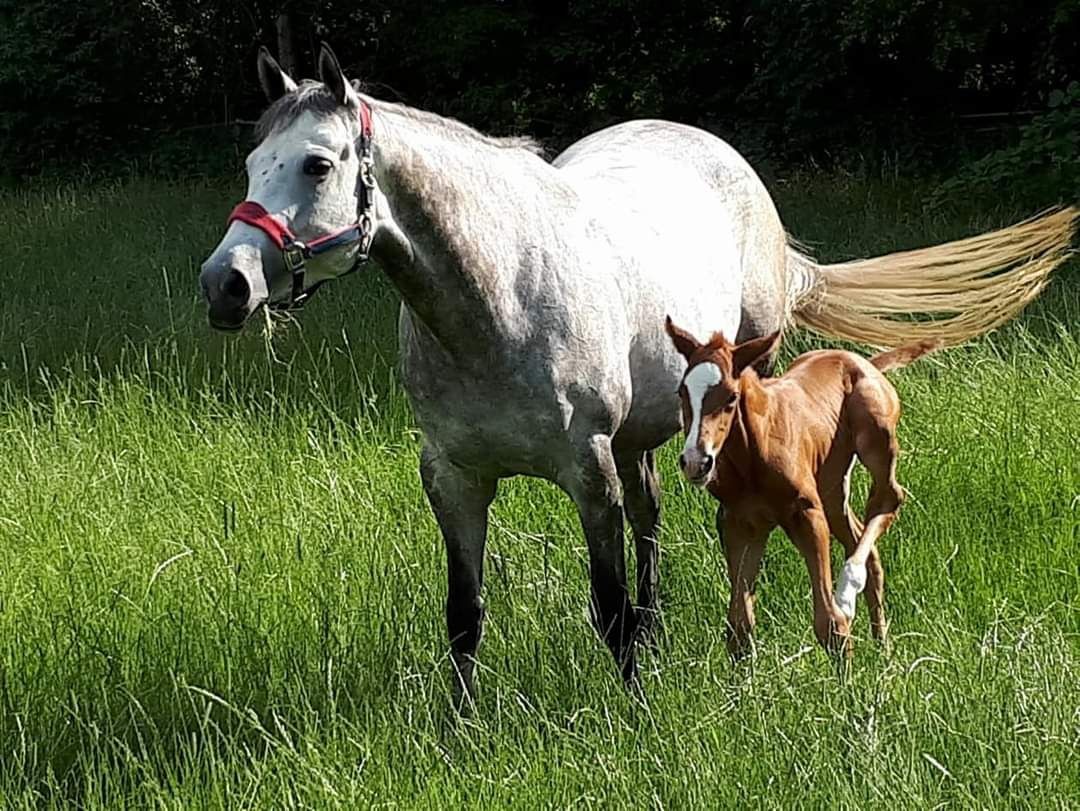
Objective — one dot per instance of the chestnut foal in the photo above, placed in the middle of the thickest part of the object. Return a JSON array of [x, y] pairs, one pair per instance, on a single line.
[[780, 451]]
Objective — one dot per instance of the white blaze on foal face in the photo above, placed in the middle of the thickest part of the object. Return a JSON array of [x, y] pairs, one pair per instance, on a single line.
[[710, 392], [708, 400], [699, 380]]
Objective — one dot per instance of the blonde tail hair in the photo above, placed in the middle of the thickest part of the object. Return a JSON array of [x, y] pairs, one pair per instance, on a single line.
[[969, 287]]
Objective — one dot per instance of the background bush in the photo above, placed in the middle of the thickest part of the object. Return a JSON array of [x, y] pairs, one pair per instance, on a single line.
[[110, 84]]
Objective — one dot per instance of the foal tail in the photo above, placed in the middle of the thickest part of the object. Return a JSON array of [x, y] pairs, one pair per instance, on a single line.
[[961, 289], [901, 357]]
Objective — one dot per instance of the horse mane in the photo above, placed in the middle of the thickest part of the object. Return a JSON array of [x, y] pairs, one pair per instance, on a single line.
[[309, 97], [315, 97]]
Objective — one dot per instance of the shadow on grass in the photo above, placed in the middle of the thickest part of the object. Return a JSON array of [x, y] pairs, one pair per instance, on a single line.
[[102, 282]]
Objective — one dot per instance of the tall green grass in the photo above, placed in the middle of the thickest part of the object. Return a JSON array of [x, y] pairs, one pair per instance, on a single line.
[[220, 584]]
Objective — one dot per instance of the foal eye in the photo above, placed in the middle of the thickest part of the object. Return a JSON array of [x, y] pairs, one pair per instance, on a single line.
[[317, 167]]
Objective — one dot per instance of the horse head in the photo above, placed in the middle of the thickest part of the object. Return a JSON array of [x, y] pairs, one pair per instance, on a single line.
[[308, 213]]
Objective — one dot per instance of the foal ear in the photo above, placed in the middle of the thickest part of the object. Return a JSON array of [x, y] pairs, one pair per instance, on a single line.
[[685, 343], [331, 75], [750, 352], [275, 82]]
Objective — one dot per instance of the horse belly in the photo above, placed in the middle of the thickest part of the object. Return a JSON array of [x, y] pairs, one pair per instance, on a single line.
[[654, 413], [698, 283], [497, 428], [706, 225]]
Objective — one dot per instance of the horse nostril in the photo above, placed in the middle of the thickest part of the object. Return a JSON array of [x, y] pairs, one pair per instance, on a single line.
[[706, 464], [682, 461], [235, 286]]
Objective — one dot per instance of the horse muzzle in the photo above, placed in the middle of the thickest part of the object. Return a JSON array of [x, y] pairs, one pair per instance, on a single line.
[[234, 286], [232, 295]]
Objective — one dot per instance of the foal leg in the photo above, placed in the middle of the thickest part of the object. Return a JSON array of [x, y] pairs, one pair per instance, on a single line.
[[877, 449], [875, 590], [847, 528], [594, 485], [809, 531], [460, 501], [743, 546], [641, 501]]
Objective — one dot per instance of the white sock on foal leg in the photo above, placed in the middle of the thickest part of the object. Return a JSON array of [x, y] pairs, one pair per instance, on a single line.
[[852, 582]]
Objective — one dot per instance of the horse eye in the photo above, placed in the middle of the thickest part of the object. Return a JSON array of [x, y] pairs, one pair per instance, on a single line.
[[317, 167]]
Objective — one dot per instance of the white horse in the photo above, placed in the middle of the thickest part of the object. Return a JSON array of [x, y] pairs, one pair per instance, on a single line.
[[534, 297]]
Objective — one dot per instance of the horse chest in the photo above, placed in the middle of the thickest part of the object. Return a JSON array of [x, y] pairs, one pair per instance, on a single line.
[[504, 421]]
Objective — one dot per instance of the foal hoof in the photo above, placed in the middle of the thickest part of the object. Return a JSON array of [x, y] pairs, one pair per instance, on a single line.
[[628, 669], [739, 647]]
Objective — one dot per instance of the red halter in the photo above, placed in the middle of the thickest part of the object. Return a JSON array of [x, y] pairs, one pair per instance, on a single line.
[[295, 252]]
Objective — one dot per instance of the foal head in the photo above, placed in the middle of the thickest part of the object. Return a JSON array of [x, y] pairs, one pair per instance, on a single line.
[[710, 391]]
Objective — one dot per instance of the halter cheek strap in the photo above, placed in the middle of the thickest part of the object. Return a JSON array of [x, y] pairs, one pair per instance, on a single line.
[[296, 253]]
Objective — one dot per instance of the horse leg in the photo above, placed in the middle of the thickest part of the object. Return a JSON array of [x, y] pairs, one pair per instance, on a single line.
[[743, 546], [594, 485], [641, 502], [847, 528], [460, 501], [809, 531]]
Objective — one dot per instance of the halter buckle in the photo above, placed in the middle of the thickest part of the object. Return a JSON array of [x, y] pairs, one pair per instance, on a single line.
[[295, 255], [367, 172]]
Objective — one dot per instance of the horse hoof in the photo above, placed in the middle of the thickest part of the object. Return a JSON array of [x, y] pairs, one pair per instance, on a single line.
[[463, 686], [649, 628]]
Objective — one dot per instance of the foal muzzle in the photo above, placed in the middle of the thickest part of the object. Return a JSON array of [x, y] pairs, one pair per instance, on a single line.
[[696, 466]]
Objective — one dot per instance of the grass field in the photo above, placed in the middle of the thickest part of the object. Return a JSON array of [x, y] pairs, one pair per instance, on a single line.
[[220, 585]]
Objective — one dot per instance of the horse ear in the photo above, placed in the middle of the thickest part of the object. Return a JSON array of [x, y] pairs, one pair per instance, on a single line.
[[750, 352], [331, 75], [275, 82], [685, 343]]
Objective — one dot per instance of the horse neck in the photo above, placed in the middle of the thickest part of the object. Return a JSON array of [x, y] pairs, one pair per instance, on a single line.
[[451, 195]]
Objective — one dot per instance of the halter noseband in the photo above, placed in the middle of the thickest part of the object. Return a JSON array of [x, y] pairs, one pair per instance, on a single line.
[[296, 253]]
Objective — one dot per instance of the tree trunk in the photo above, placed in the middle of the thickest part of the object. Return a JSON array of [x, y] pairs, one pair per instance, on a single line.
[[286, 43]]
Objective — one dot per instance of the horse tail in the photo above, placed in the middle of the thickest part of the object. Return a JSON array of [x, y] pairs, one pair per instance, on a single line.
[[956, 290], [905, 355]]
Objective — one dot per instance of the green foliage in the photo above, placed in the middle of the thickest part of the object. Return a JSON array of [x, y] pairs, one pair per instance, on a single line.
[[1044, 162], [94, 82]]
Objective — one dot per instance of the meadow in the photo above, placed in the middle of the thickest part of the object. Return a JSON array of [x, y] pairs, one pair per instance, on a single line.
[[221, 586]]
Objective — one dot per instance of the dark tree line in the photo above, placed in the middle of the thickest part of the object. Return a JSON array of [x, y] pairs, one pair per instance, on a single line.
[[97, 81]]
